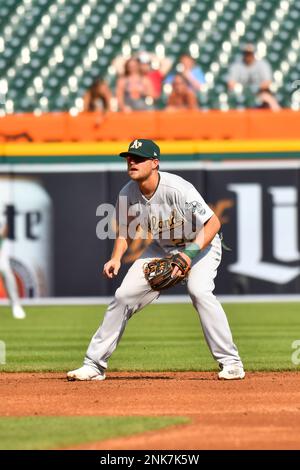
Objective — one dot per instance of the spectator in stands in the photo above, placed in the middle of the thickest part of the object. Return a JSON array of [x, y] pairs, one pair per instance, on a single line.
[[266, 100], [134, 91], [155, 69], [250, 73], [254, 77], [182, 96], [190, 71], [98, 97]]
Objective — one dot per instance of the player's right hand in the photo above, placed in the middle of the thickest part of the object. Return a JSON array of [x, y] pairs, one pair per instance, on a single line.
[[111, 268]]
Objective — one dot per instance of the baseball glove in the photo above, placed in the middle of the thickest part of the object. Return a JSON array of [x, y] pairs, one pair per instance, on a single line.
[[158, 271]]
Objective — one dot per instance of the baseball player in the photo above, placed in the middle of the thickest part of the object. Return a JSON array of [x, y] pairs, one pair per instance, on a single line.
[[8, 277], [167, 204]]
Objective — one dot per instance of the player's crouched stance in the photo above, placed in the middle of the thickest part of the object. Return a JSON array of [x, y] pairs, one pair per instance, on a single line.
[[166, 202]]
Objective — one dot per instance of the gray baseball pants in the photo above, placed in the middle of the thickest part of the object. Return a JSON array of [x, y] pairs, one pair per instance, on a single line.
[[135, 293]]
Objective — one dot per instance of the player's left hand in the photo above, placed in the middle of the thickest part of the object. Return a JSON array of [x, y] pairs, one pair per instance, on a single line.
[[176, 271]]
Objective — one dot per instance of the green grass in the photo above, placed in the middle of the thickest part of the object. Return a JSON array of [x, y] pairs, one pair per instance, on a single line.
[[49, 432], [160, 338]]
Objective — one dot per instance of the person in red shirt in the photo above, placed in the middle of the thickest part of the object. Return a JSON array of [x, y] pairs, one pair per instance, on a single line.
[[155, 69]]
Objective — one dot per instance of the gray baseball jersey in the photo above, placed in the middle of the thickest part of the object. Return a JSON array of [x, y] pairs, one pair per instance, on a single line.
[[173, 215]]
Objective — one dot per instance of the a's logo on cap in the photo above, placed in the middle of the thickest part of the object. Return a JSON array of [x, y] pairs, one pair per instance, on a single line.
[[155, 154], [136, 144]]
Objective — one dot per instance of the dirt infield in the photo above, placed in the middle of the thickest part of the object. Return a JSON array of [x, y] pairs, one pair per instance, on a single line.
[[259, 412]]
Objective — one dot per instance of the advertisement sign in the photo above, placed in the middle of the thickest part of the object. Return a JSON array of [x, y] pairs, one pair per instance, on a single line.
[[26, 212]]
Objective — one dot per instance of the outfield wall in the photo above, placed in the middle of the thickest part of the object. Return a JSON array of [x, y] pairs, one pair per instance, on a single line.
[[250, 124], [50, 203]]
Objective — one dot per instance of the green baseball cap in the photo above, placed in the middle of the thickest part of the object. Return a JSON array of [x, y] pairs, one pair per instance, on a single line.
[[142, 148]]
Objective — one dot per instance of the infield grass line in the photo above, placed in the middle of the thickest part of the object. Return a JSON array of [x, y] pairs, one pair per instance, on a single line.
[[162, 337]]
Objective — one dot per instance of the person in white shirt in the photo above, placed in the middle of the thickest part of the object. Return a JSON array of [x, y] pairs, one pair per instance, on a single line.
[[251, 73], [8, 277], [179, 220]]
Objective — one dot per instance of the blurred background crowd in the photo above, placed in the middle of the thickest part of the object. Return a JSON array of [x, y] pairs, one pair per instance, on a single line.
[[123, 55], [144, 83]]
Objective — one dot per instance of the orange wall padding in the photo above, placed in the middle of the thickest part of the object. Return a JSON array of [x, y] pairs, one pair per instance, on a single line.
[[160, 125]]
